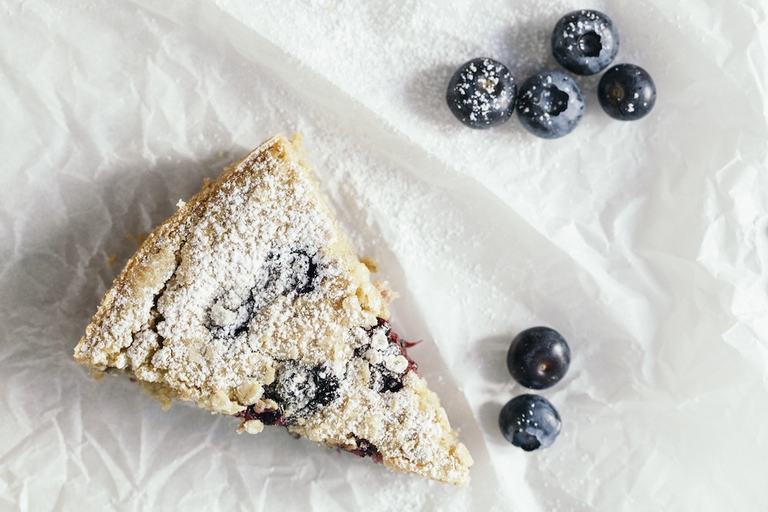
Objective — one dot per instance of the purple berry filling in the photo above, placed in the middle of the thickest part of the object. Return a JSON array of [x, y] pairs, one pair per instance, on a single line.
[[300, 390], [283, 273], [364, 449], [384, 379], [266, 417]]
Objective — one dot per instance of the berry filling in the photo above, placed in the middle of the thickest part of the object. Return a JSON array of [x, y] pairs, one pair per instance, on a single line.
[[387, 358], [296, 392], [363, 448], [299, 390], [283, 273], [267, 417]]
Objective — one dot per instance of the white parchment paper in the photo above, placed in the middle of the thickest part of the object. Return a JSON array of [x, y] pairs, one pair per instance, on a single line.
[[643, 243]]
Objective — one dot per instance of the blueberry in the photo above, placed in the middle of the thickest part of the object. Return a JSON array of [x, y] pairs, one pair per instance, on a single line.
[[271, 417], [529, 422], [294, 387], [550, 105], [300, 390], [303, 272], [585, 42], [385, 365], [285, 272], [365, 448], [327, 387], [481, 93], [538, 357], [626, 92], [230, 314]]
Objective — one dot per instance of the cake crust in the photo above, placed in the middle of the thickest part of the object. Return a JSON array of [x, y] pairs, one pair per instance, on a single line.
[[251, 302]]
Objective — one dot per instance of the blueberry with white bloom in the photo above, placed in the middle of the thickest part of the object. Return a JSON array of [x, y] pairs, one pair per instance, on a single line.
[[529, 422], [585, 42], [626, 92], [538, 358], [550, 104], [481, 93]]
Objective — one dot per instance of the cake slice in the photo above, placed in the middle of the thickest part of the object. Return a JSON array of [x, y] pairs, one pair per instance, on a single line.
[[251, 302]]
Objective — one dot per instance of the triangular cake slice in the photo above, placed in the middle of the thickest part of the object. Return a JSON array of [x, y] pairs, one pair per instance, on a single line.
[[250, 301]]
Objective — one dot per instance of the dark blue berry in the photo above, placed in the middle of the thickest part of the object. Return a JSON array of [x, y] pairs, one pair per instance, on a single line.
[[481, 93], [327, 387], [283, 273], [286, 272], [301, 390], [298, 390], [550, 104], [243, 312], [365, 448], [585, 42], [538, 357], [384, 379], [269, 417], [303, 272], [529, 422], [626, 92]]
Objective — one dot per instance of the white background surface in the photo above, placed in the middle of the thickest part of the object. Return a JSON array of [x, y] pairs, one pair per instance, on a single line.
[[643, 243]]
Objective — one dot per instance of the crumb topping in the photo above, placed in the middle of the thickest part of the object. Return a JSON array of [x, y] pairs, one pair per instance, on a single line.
[[250, 301]]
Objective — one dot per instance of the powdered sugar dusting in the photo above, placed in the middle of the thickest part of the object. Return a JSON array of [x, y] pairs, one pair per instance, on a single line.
[[263, 311], [237, 294]]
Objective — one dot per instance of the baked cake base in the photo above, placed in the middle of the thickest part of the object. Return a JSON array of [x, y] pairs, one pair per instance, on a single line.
[[251, 302]]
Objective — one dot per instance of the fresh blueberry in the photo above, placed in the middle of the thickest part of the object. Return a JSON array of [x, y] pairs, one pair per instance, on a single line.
[[550, 104], [626, 92], [482, 93], [585, 42], [538, 357], [529, 422]]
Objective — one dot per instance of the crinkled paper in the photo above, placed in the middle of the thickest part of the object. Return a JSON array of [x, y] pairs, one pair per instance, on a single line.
[[643, 243]]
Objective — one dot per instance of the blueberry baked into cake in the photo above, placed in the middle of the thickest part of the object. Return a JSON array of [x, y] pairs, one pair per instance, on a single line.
[[251, 302]]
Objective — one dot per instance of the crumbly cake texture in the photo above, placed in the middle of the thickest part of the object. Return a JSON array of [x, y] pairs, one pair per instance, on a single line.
[[251, 302]]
